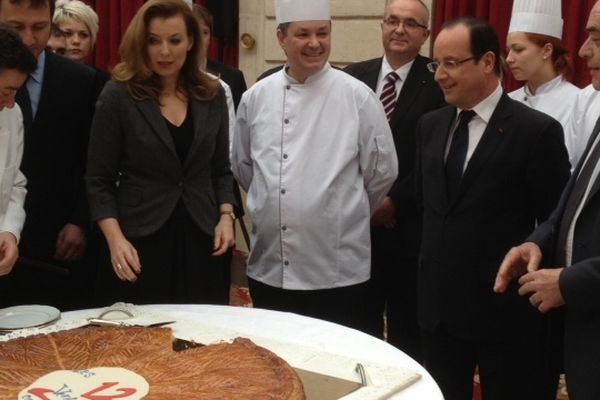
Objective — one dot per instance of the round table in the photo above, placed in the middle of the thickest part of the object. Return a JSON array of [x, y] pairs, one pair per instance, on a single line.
[[291, 334]]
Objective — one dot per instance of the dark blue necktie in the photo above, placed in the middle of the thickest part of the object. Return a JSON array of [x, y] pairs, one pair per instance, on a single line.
[[455, 161]]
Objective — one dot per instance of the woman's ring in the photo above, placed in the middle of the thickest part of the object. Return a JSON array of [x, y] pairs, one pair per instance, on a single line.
[[119, 267]]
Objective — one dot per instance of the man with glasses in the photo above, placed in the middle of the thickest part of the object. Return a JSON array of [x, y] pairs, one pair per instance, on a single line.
[[407, 89], [488, 170], [16, 62]]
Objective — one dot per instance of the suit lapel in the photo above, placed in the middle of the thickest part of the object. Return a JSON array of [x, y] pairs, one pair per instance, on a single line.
[[371, 76], [492, 136], [199, 112], [410, 90], [439, 152], [152, 114], [596, 185]]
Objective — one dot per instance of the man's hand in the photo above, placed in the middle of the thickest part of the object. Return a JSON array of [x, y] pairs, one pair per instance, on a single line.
[[385, 215], [519, 260], [70, 244], [9, 252], [544, 288]]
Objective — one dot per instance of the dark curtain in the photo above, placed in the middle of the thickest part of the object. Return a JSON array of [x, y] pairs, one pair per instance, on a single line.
[[497, 13], [224, 42], [114, 16]]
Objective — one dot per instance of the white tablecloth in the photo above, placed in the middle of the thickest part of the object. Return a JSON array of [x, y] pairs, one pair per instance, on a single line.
[[304, 342]]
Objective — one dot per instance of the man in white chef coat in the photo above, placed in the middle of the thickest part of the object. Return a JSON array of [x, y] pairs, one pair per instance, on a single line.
[[16, 63], [313, 148]]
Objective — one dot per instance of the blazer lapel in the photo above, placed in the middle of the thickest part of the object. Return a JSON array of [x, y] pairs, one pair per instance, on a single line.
[[151, 111], [410, 90], [490, 141], [199, 112], [441, 137], [372, 74], [596, 185]]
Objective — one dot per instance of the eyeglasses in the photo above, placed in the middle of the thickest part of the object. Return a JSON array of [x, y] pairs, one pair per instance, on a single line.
[[408, 24], [449, 65]]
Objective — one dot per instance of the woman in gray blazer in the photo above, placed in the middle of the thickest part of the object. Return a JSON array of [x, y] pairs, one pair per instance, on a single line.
[[158, 176]]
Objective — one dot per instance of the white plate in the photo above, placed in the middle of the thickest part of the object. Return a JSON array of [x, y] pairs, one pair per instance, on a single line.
[[18, 317]]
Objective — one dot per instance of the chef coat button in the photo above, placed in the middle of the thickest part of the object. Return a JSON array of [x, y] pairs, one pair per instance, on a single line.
[[286, 263], [285, 156], [282, 191], [284, 228], [287, 121], [288, 87]]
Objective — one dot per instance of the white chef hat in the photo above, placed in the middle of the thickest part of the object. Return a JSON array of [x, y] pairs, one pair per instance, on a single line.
[[302, 10], [537, 16]]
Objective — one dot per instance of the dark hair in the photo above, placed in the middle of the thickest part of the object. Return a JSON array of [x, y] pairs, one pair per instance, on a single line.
[[205, 15], [134, 69], [34, 4], [563, 65], [283, 27], [14, 54], [483, 39]]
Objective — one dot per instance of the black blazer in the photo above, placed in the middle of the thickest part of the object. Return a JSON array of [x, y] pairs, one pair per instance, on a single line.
[[134, 173], [513, 179], [54, 155], [420, 94], [579, 285]]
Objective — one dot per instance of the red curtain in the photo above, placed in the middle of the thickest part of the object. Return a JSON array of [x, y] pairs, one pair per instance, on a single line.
[[114, 16], [497, 13]]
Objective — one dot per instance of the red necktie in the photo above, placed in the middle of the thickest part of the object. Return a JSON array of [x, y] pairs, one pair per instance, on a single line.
[[388, 94]]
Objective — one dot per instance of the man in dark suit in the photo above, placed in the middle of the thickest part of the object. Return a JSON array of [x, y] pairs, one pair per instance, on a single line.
[[570, 240], [57, 103], [484, 179], [396, 226]]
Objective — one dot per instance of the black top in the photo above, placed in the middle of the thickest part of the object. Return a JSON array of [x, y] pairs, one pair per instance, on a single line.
[[182, 135]]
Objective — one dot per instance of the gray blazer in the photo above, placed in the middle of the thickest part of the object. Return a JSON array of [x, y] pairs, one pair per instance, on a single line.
[[134, 174]]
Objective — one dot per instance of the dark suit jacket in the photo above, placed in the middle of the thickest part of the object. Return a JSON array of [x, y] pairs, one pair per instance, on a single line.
[[513, 179], [232, 76], [420, 94], [54, 154], [580, 287], [134, 173]]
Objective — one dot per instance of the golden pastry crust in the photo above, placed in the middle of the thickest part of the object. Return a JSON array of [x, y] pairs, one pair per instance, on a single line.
[[240, 370]]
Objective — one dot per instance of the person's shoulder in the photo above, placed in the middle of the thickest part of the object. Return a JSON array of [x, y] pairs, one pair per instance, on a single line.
[[63, 66], [525, 115], [11, 116], [360, 67]]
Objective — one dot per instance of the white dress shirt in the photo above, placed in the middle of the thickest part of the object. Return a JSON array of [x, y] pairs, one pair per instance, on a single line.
[[12, 181], [477, 125], [316, 159], [385, 69], [586, 111]]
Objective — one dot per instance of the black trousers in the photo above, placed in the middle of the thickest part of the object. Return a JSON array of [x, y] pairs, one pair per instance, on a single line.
[[392, 291], [517, 369], [344, 305]]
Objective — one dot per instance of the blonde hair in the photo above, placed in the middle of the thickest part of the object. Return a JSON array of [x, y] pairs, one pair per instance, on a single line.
[[134, 69], [79, 11]]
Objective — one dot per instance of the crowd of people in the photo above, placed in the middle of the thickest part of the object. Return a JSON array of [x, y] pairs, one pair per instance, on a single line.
[[409, 197]]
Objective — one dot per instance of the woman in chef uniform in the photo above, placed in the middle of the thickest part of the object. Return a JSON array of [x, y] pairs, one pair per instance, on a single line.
[[536, 56]]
